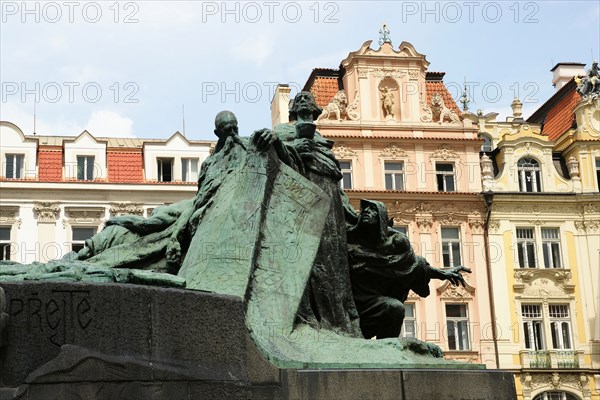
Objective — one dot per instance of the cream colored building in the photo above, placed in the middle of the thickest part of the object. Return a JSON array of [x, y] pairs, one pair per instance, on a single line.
[[58, 191], [542, 181]]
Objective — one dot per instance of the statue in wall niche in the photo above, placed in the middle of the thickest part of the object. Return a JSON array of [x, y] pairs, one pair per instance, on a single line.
[[588, 86], [270, 225], [441, 113], [387, 101], [384, 268], [337, 107]]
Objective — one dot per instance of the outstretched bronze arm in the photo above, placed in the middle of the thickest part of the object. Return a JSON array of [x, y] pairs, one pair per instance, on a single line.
[[451, 274]]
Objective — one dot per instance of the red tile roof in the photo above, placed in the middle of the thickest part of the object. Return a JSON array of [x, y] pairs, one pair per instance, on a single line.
[[433, 87], [560, 117], [50, 164], [125, 167], [324, 88]]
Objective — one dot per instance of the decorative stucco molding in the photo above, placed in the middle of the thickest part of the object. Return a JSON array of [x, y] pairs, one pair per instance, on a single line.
[[47, 211]]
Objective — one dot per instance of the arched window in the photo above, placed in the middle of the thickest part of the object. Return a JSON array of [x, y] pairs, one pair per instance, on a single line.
[[529, 175], [555, 395], [487, 143]]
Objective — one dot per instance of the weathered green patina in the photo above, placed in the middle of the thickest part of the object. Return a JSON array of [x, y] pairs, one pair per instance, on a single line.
[[269, 225]]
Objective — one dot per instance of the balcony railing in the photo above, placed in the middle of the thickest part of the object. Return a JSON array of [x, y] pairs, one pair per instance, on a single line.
[[567, 359], [539, 359], [551, 358]]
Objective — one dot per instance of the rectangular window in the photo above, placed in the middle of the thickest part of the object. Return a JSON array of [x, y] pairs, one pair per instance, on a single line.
[[85, 168], [189, 169], [560, 325], [80, 235], [533, 326], [394, 175], [165, 169], [451, 247], [409, 327], [445, 177], [4, 243], [346, 167], [457, 323], [526, 248], [551, 247], [14, 166], [401, 229]]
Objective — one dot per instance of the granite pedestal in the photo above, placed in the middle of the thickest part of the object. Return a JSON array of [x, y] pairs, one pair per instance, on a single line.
[[110, 341]]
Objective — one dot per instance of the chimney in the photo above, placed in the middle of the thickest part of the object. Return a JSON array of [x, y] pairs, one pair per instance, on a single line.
[[564, 72], [280, 104]]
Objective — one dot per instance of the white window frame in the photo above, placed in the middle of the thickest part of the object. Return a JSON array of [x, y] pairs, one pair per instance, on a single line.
[[529, 168], [86, 164], [187, 174], [394, 173], [159, 168], [17, 173], [444, 175], [447, 244], [5, 245], [560, 318], [409, 320], [533, 326], [547, 244], [555, 395], [526, 245], [541, 243], [462, 343], [346, 172], [549, 323], [80, 242]]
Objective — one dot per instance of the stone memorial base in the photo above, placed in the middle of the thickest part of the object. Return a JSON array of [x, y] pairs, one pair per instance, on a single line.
[[111, 341]]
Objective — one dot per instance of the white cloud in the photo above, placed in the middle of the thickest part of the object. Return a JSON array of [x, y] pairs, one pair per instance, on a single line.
[[255, 49], [23, 118], [109, 123], [104, 123]]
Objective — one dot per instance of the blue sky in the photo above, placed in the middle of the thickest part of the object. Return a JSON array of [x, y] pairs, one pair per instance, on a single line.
[[127, 68]]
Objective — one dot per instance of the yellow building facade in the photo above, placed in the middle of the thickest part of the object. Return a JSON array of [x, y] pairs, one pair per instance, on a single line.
[[541, 181]]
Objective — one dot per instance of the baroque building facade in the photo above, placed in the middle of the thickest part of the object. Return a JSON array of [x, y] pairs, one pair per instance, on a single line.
[[400, 139], [516, 202], [541, 181]]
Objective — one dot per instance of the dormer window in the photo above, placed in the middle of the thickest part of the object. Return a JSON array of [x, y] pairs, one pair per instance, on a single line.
[[529, 175], [165, 169], [85, 168], [14, 166]]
